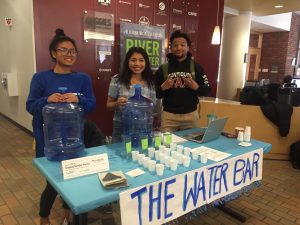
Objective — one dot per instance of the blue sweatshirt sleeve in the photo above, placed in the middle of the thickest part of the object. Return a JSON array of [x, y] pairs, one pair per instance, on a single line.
[[36, 101], [87, 98]]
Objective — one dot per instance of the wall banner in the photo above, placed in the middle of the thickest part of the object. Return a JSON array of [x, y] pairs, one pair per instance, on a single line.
[[150, 38], [162, 201]]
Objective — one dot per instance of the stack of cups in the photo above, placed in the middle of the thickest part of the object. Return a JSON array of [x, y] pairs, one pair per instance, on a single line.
[[247, 133]]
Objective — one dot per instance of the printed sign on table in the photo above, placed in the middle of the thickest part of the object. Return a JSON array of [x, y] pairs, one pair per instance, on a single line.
[[167, 199]]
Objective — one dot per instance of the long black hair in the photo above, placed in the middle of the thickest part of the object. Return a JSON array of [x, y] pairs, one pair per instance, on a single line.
[[147, 74], [59, 37]]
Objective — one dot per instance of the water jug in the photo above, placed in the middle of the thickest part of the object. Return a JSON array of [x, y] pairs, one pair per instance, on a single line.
[[137, 118], [63, 131]]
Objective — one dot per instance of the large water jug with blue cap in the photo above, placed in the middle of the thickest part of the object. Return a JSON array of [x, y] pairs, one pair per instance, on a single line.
[[137, 118], [63, 130]]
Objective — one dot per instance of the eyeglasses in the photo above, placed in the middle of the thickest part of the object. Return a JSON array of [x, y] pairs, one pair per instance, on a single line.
[[65, 51]]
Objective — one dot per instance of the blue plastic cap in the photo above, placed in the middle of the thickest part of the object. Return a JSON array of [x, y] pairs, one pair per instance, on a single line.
[[138, 86]]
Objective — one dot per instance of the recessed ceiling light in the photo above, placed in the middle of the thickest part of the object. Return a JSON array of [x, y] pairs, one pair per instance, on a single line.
[[278, 6]]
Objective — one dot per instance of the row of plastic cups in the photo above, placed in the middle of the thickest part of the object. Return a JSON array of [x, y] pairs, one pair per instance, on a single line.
[[152, 165]]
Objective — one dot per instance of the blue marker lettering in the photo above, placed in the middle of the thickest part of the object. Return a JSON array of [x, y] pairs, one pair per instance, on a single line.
[[139, 194], [152, 200], [167, 197]]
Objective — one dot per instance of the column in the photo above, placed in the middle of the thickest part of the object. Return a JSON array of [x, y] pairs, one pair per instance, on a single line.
[[235, 43]]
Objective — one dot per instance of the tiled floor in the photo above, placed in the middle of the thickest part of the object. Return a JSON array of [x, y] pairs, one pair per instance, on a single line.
[[277, 201]]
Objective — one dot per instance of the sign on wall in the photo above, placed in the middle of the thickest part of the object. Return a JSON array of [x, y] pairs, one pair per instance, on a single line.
[[162, 201], [150, 38]]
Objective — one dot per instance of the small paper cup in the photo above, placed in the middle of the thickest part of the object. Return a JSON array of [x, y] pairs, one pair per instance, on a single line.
[[173, 164], [204, 158], [186, 161], [134, 155], [160, 169]]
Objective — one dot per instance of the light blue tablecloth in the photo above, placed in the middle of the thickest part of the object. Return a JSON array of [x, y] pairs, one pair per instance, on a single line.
[[86, 193]]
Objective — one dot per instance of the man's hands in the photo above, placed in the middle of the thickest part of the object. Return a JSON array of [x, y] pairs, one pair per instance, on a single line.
[[188, 82], [67, 97]]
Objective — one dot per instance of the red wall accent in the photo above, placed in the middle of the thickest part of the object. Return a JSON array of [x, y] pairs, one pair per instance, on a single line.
[[49, 15]]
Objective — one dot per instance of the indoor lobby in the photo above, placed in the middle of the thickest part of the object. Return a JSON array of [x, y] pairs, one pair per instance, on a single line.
[[242, 54]]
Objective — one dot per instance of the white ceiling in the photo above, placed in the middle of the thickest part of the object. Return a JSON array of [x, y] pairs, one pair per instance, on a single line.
[[263, 8]]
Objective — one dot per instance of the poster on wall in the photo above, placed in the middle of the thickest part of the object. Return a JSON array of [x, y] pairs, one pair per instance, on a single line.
[[150, 38], [98, 26], [107, 6], [162, 16], [99, 31], [191, 23], [177, 13], [125, 11], [144, 12]]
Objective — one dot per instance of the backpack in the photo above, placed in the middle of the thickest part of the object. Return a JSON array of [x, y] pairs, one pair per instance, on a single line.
[[295, 154], [192, 69]]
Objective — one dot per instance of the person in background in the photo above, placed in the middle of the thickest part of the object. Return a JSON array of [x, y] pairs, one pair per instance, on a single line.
[[44, 89], [287, 81], [179, 83], [136, 70]]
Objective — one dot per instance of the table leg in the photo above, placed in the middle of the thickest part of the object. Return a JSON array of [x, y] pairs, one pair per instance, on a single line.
[[81, 219], [232, 213]]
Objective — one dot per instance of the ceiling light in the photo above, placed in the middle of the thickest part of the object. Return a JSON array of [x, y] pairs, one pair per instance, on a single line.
[[278, 6], [216, 37]]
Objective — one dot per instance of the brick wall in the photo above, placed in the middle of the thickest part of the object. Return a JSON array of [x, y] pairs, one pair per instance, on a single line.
[[292, 44], [278, 49]]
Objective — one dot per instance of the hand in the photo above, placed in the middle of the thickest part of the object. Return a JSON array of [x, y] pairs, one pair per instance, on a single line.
[[169, 83], [189, 82], [69, 97], [121, 101], [56, 97]]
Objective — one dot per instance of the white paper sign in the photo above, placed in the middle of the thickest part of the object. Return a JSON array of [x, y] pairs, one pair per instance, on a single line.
[[167, 199], [85, 165]]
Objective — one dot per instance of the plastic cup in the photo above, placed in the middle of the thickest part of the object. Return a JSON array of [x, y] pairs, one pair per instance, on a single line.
[[134, 155], [186, 161], [151, 151], [144, 142], [195, 155], [168, 161], [167, 139], [238, 129], [173, 146], [167, 151], [162, 157], [157, 154], [240, 136], [157, 139], [173, 164], [160, 169], [186, 151], [146, 162], [179, 148], [127, 146], [151, 165], [161, 148], [179, 158], [140, 158], [204, 158], [173, 154]]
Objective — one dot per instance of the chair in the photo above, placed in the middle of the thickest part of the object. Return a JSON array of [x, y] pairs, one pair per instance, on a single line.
[[92, 135]]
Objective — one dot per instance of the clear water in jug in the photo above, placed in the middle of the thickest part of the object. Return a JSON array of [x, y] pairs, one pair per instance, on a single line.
[[63, 131], [137, 118]]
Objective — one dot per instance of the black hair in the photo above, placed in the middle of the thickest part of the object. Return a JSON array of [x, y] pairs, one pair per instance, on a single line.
[[287, 79], [147, 74], [179, 34], [59, 37]]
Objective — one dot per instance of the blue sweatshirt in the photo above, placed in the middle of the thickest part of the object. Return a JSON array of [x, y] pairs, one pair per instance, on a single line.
[[44, 84]]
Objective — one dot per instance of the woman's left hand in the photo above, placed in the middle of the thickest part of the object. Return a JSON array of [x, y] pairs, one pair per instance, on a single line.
[[69, 97]]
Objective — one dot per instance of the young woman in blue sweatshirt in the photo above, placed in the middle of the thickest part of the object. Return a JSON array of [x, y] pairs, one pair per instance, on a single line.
[[44, 89]]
